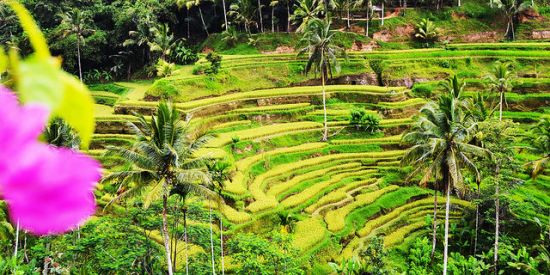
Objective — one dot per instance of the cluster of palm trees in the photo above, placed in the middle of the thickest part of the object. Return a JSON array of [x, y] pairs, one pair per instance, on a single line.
[[445, 145], [163, 164]]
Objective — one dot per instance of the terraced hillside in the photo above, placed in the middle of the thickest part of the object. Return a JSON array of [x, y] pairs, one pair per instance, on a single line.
[[347, 190]]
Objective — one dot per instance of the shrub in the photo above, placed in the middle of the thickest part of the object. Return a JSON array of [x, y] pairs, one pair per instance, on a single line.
[[199, 69], [356, 116], [184, 55], [426, 32], [215, 63], [164, 68], [370, 123]]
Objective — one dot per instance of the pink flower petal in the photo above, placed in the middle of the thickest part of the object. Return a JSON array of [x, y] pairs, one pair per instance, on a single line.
[[48, 190], [52, 192]]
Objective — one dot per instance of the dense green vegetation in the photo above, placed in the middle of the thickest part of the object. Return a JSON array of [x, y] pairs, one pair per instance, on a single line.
[[302, 137]]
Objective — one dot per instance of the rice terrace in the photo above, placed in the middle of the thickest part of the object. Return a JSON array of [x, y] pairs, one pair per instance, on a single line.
[[275, 137]]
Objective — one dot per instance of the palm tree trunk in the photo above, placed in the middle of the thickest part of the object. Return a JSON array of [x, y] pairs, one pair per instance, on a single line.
[[16, 240], [165, 232], [185, 240], [225, 15], [459, 4], [221, 242], [349, 25], [368, 22], [446, 241], [477, 221], [203, 24], [434, 225], [211, 240], [273, 19], [497, 221], [325, 133], [382, 14], [78, 54], [188, 29], [260, 16]]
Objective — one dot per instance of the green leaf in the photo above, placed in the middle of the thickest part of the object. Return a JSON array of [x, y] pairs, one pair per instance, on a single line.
[[3, 61], [77, 107], [38, 82]]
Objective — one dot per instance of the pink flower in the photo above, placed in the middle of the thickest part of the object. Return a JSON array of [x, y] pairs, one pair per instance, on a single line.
[[48, 190]]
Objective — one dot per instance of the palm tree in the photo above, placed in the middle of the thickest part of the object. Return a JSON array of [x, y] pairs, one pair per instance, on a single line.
[[426, 31], [539, 141], [194, 3], [219, 172], [58, 133], [161, 163], [76, 22], [306, 11], [368, 4], [500, 80], [163, 41], [322, 56], [510, 9], [260, 16], [383, 3], [440, 140], [243, 12]]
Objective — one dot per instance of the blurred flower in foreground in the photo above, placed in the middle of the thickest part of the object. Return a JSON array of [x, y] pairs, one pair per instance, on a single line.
[[48, 190]]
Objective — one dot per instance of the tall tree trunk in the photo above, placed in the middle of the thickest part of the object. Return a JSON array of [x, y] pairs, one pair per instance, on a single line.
[[382, 14], [16, 240], [459, 4], [78, 54], [185, 240], [211, 240], [368, 21], [260, 16], [500, 104], [165, 230], [273, 19], [203, 23], [477, 221], [446, 241], [347, 7], [225, 15], [188, 23], [434, 225], [497, 225], [325, 131], [221, 242]]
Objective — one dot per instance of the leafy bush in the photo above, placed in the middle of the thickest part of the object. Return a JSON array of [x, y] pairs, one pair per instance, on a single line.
[[184, 55], [200, 69], [370, 123], [215, 63], [164, 68]]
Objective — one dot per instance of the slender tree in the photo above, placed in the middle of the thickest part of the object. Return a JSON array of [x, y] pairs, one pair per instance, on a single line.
[[510, 9], [369, 11], [322, 57], [539, 144], [162, 163], [163, 41], [219, 172], [304, 12], [78, 23], [440, 146]]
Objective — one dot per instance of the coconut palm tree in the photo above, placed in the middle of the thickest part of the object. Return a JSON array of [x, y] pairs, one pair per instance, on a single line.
[[426, 31], [368, 5], [500, 80], [161, 163], [306, 11], [219, 172], [243, 11], [440, 148], [78, 23], [162, 41], [322, 57], [510, 9], [58, 133], [539, 143], [194, 3]]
